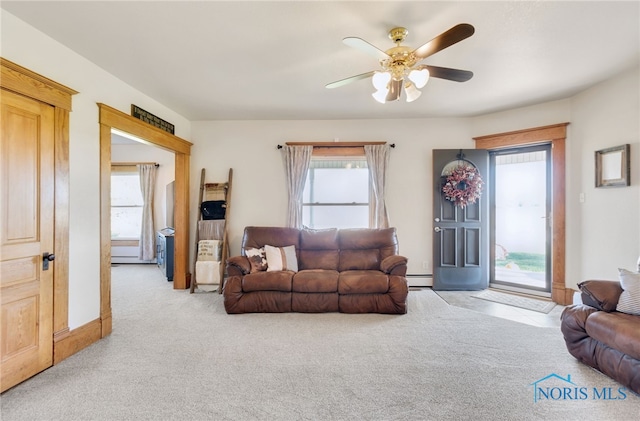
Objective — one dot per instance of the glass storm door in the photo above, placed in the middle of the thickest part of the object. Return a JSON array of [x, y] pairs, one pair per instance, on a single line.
[[520, 219]]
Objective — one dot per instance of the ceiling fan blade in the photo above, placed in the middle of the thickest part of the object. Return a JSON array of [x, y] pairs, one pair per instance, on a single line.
[[444, 40], [456, 75], [365, 47], [395, 87], [343, 82]]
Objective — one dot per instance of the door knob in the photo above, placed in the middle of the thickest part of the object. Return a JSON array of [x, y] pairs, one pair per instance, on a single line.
[[437, 229], [46, 258], [437, 219]]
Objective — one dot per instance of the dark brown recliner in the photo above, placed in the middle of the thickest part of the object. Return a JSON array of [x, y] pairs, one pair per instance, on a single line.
[[348, 270]]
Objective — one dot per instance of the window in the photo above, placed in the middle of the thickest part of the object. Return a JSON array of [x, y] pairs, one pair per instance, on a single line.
[[126, 205], [336, 193]]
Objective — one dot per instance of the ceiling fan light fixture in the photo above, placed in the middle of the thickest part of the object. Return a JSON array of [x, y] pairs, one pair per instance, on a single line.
[[380, 80], [380, 95], [412, 92], [419, 77], [399, 65]]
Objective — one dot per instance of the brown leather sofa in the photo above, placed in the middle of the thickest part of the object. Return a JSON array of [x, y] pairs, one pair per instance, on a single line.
[[346, 270], [601, 337]]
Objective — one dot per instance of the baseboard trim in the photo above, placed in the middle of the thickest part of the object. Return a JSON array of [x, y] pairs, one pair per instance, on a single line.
[[76, 340], [562, 295], [106, 321], [419, 280]]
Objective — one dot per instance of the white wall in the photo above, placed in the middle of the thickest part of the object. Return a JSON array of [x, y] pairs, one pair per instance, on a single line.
[[259, 190], [28, 47], [609, 237]]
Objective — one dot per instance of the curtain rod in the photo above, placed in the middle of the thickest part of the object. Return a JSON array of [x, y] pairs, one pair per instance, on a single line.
[[340, 144], [130, 164]]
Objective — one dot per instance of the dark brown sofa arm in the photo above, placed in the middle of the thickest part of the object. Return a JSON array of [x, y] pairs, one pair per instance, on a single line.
[[579, 343], [238, 266], [602, 295], [394, 265]]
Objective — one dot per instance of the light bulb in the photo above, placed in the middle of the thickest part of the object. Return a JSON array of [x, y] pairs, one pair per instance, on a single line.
[[412, 92], [380, 95], [380, 80], [419, 77]]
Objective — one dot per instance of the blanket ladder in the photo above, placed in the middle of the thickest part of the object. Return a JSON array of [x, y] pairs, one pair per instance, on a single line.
[[213, 229]]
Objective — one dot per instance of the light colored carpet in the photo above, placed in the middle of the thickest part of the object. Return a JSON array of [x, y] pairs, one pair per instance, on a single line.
[[179, 356], [541, 306]]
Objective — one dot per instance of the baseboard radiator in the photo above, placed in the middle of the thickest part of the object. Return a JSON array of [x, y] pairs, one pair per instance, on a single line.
[[127, 254], [420, 280]]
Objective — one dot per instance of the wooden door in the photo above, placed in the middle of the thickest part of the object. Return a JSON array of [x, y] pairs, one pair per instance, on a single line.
[[460, 234], [26, 236]]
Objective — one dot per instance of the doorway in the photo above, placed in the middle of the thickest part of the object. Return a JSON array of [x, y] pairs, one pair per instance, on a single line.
[[556, 136], [520, 208], [111, 118], [127, 202]]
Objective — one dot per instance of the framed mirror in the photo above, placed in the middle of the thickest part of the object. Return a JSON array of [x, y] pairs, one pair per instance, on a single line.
[[612, 167]]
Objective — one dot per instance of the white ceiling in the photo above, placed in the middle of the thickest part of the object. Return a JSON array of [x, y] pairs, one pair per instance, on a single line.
[[212, 60]]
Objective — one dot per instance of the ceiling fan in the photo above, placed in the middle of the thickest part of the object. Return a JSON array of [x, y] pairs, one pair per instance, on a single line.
[[399, 64]]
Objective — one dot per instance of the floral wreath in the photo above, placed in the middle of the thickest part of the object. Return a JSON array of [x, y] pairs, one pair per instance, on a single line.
[[463, 185]]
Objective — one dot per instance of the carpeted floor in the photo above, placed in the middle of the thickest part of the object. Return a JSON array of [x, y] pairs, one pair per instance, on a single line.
[[177, 356]]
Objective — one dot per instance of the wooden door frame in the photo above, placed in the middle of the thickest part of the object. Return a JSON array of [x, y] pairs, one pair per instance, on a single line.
[[556, 135], [110, 118], [20, 80]]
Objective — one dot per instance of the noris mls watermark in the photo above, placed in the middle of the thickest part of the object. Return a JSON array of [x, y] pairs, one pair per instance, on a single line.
[[554, 387]]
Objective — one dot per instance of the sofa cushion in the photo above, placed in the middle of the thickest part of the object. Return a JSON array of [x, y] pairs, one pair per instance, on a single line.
[[368, 259], [315, 280], [318, 259], [281, 258], [616, 330], [629, 301], [364, 249], [257, 259], [318, 249], [365, 238], [314, 303], [383, 239], [267, 281], [363, 282], [321, 239], [256, 237], [602, 295]]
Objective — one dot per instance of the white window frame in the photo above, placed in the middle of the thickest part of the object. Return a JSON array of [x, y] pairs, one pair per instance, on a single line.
[[357, 160], [125, 170]]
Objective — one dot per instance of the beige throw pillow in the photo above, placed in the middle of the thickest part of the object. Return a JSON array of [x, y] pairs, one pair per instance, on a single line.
[[281, 258], [629, 301]]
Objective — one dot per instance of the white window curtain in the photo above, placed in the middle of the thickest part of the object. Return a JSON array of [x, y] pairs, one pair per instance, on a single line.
[[377, 160], [147, 233], [297, 160]]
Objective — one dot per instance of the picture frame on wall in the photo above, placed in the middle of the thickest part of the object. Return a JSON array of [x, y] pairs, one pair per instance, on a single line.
[[612, 167]]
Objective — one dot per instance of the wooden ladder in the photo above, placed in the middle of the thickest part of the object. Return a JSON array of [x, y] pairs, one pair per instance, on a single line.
[[213, 230]]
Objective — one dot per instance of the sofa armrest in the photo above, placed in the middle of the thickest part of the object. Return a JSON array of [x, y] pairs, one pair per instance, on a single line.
[[394, 265], [573, 327], [238, 266], [602, 295]]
